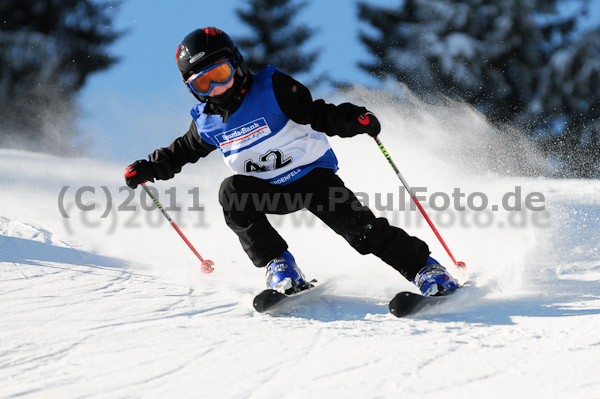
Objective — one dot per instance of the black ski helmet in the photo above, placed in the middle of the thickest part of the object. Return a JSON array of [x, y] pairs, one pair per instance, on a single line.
[[200, 49]]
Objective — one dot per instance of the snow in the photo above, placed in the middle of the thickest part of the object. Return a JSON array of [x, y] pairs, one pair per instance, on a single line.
[[112, 304]]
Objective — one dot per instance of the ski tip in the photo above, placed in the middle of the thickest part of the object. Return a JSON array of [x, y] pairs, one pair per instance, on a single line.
[[399, 306], [271, 301], [266, 300]]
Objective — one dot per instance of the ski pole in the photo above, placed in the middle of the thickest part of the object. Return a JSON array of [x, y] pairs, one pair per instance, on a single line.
[[416, 201], [207, 265]]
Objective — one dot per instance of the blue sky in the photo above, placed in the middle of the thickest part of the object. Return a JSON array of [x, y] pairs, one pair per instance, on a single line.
[[141, 104]]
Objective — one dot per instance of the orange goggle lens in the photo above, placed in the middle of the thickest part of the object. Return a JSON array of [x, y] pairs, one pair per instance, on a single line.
[[219, 74]]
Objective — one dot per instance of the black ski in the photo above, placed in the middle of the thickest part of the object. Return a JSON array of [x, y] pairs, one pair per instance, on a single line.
[[407, 303], [271, 300]]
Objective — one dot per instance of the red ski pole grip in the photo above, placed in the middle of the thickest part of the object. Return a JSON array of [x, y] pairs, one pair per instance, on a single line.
[[130, 171], [364, 119]]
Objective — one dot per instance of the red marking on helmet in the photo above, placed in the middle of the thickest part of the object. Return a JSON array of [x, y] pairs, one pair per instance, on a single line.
[[364, 119], [294, 88], [212, 31], [446, 277], [177, 52]]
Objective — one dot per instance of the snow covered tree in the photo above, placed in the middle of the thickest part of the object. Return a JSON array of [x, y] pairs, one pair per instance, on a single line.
[[568, 102], [274, 39], [482, 51], [47, 51], [518, 61]]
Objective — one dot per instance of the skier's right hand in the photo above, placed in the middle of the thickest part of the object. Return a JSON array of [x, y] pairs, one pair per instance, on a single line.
[[139, 172]]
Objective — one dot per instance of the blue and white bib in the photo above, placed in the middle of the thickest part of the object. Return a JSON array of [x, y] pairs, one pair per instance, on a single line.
[[260, 140]]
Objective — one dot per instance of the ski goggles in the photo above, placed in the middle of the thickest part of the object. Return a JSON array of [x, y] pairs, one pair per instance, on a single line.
[[218, 74]]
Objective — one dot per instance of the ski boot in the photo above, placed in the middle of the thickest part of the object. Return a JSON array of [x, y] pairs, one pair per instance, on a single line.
[[283, 275], [434, 280]]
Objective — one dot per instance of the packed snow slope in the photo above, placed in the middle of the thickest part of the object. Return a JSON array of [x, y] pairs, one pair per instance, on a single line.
[[100, 298]]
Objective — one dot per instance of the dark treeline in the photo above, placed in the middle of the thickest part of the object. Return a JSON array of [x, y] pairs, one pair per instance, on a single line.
[[528, 63], [531, 64]]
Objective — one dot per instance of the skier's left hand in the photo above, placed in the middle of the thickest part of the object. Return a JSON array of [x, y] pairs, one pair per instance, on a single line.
[[366, 122]]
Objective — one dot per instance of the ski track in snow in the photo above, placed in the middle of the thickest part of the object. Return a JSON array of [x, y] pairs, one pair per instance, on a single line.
[[88, 310]]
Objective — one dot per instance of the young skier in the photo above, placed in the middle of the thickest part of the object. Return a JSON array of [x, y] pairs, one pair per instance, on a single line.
[[272, 134]]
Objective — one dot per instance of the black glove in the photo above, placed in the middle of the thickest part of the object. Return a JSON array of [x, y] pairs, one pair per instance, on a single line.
[[139, 172], [366, 122]]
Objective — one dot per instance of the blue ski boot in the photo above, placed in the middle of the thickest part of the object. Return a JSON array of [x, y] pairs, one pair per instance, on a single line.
[[283, 275], [434, 279]]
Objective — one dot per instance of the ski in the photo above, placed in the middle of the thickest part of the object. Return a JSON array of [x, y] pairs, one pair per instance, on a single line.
[[271, 301], [407, 303]]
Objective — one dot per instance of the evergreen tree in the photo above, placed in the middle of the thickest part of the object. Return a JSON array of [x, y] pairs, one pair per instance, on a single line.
[[47, 50], [568, 101], [482, 51], [507, 58], [275, 39]]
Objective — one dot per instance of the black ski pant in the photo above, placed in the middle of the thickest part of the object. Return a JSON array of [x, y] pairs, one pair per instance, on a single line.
[[246, 200]]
